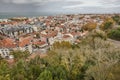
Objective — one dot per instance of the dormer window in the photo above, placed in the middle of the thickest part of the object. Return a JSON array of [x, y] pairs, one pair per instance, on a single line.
[[26, 45]]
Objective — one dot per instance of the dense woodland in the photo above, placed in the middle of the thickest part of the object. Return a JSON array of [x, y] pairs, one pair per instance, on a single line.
[[94, 58]]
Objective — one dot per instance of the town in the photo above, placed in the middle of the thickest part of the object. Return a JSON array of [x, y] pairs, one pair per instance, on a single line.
[[37, 34]]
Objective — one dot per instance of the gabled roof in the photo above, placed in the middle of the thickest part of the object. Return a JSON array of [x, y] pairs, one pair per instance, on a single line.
[[50, 34], [23, 41], [12, 43], [7, 43], [39, 42]]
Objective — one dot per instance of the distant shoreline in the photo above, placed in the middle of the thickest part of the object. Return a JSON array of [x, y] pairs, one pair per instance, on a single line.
[[4, 15]]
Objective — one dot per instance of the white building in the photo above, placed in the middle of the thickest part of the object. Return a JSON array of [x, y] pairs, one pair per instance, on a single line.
[[4, 52]]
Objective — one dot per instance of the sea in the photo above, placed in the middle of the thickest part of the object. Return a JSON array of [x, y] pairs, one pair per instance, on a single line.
[[31, 14], [6, 15]]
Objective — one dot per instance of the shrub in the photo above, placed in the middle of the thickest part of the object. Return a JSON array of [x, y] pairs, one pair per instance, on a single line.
[[114, 34]]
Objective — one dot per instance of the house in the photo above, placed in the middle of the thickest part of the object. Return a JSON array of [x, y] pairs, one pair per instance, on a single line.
[[8, 44], [25, 43], [5, 47], [4, 52], [40, 44], [13, 31], [68, 37]]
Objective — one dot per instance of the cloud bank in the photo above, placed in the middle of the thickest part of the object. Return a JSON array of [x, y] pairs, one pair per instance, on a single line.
[[60, 6]]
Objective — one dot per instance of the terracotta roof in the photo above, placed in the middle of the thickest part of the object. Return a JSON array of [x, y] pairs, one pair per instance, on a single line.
[[7, 43], [50, 34], [4, 23], [66, 36], [39, 42], [11, 43], [24, 41], [76, 33]]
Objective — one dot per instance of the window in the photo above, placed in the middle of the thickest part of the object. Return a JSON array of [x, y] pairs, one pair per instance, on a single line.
[[6, 53], [3, 53]]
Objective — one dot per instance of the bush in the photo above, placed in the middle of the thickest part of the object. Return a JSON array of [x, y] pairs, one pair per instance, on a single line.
[[108, 24], [116, 18], [114, 34], [89, 26]]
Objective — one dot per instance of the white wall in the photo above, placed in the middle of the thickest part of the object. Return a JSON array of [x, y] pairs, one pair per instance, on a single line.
[[4, 52]]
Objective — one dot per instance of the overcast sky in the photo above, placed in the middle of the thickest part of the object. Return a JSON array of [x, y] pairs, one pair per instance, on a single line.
[[60, 6]]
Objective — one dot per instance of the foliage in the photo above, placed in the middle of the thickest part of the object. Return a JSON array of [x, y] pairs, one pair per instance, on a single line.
[[20, 54], [45, 75], [1, 57], [89, 26], [116, 18], [98, 33], [37, 35], [116, 72], [6, 77], [62, 44], [114, 34], [107, 24]]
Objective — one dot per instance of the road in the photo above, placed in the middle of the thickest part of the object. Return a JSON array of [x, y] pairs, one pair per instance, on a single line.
[[117, 43]]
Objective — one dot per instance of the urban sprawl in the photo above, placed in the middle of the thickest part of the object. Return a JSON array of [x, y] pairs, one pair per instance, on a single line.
[[37, 34]]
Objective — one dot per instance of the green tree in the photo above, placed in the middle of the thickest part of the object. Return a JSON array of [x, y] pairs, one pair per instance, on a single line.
[[114, 34], [4, 70], [20, 54], [6, 77], [116, 18], [45, 75], [18, 70], [107, 24]]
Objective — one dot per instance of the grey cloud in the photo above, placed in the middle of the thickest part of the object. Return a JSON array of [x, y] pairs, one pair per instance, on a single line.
[[116, 2], [28, 1], [12, 7], [54, 6]]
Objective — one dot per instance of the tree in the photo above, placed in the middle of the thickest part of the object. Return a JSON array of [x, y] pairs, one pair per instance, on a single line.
[[20, 54], [107, 24], [114, 34], [62, 44], [45, 75], [97, 34], [19, 76], [4, 70], [18, 71], [6, 77], [115, 72], [1, 57], [105, 56], [90, 26], [116, 18]]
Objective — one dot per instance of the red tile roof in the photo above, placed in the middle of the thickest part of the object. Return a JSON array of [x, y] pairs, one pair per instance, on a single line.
[[66, 36], [7, 43], [50, 34], [11, 43], [24, 41], [39, 42]]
